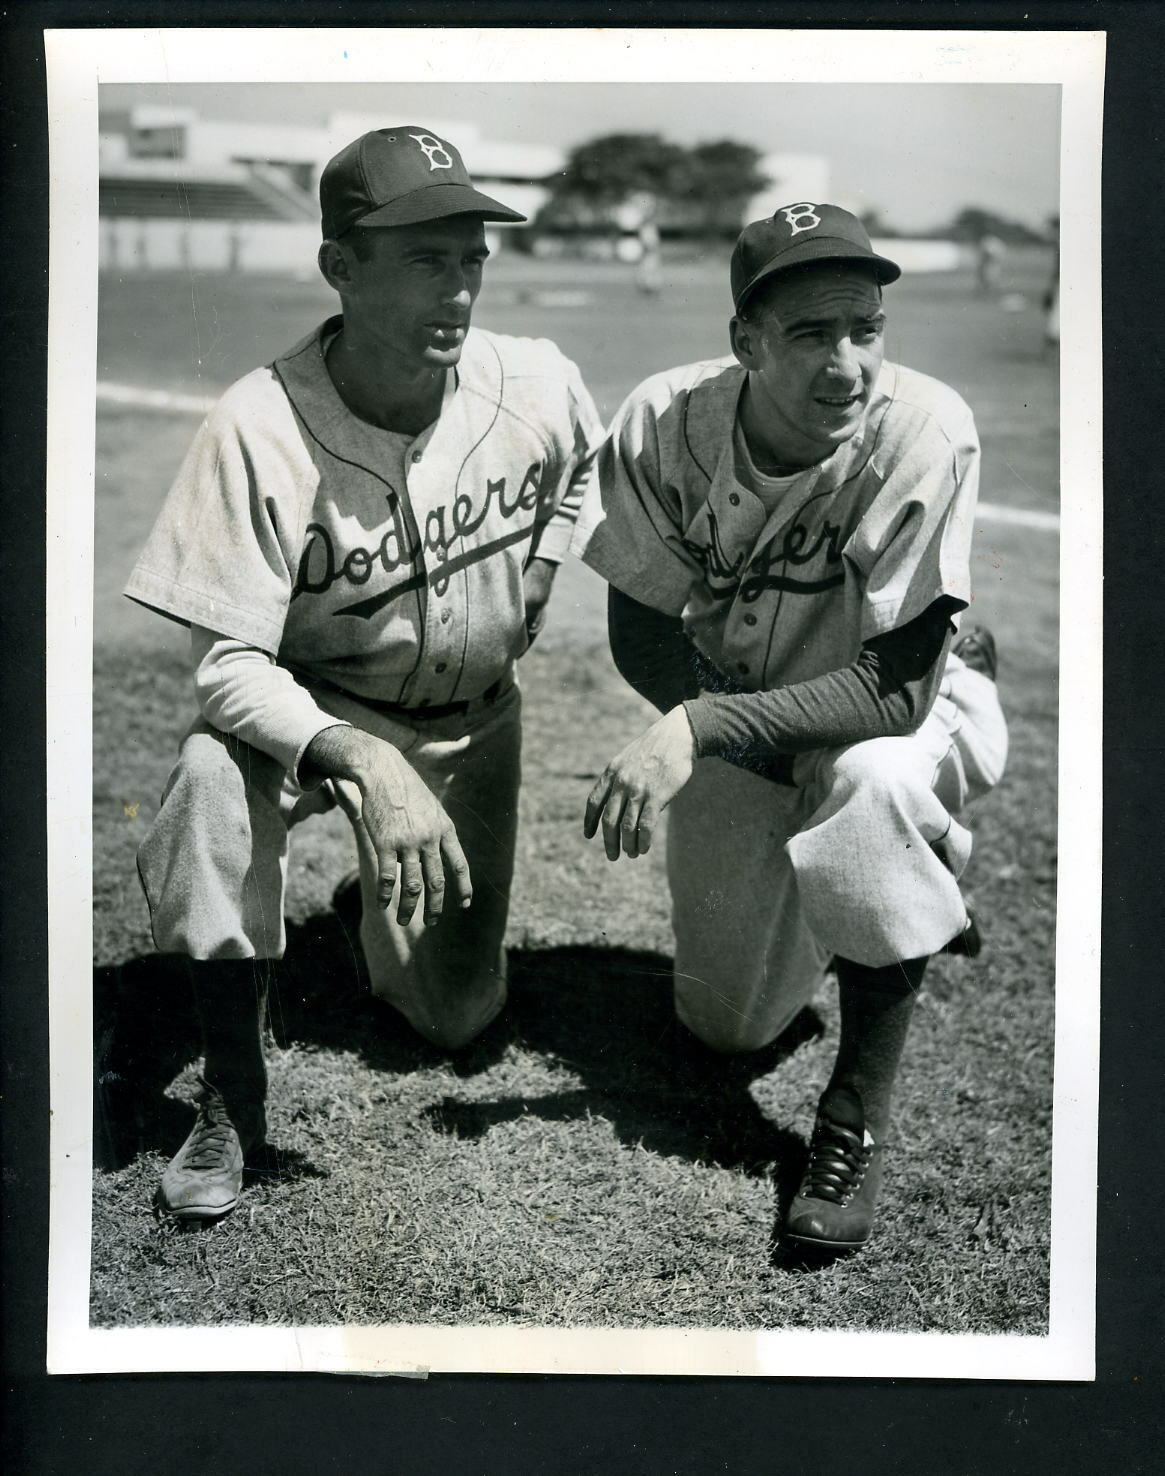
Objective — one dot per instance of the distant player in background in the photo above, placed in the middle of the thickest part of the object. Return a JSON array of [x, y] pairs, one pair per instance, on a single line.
[[362, 540], [648, 273], [1052, 295], [989, 253], [787, 538]]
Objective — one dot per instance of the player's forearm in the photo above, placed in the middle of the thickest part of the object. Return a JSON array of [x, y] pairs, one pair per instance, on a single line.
[[553, 538], [841, 707], [242, 692], [344, 752], [887, 692], [651, 651], [537, 586]]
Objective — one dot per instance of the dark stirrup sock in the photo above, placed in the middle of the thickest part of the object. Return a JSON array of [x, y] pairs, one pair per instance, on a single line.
[[876, 1008], [231, 996]]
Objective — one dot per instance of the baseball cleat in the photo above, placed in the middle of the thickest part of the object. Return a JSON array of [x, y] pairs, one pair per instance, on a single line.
[[346, 900], [834, 1207], [204, 1179], [968, 943], [975, 647]]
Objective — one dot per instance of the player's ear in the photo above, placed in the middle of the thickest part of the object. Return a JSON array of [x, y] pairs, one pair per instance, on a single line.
[[743, 336], [334, 265]]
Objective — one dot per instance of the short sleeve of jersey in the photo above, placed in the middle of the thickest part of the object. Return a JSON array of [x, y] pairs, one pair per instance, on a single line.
[[913, 546], [635, 537], [223, 551], [572, 502], [588, 428]]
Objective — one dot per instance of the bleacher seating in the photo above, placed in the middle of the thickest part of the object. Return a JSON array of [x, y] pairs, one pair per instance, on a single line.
[[186, 200]]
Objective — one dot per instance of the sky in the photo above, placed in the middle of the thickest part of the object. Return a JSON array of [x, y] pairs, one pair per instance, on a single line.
[[918, 152]]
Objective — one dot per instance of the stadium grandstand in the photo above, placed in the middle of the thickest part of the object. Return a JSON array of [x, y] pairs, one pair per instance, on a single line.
[[181, 190]]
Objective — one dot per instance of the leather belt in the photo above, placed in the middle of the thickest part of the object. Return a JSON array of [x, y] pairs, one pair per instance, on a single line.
[[437, 710]]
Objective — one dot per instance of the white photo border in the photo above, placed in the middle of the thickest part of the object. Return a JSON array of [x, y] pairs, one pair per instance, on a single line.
[[77, 62]]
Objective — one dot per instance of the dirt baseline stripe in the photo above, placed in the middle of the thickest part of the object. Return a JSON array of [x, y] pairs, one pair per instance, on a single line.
[[184, 404], [151, 399]]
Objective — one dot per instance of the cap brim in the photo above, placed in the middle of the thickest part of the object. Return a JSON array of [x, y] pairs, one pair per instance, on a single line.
[[823, 248], [434, 202]]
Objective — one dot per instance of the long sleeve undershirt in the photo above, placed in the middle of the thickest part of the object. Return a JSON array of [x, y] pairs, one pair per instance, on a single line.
[[886, 692], [241, 691]]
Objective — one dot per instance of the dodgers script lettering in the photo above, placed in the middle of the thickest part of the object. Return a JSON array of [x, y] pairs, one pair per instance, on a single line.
[[799, 547], [322, 564]]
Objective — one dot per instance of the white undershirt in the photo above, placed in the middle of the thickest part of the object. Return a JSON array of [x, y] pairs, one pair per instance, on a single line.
[[767, 490]]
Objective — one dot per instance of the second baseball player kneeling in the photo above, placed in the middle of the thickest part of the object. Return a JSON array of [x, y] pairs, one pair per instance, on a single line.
[[787, 535]]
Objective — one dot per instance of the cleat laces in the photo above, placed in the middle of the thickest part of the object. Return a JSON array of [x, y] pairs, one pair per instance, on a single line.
[[212, 1133], [838, 1160]]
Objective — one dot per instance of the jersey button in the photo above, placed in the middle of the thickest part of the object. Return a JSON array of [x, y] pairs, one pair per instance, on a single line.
[[440, 667], [416, 456], [734, 498], [446, 616], [750, 620]]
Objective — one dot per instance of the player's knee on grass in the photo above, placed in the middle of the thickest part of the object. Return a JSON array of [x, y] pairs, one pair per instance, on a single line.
[[730, 1042], [456, 1018], [730, 1035]]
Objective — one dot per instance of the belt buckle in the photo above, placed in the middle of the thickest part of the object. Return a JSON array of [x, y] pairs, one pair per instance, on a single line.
[[451, 709]]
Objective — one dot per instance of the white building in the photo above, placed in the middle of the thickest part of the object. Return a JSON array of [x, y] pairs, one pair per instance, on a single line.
[[179, 190]]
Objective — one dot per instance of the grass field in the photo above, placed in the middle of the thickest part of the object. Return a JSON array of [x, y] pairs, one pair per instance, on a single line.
[[580, 1164]]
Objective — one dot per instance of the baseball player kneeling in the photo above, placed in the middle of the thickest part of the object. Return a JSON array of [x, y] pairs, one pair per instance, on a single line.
[[362, 541], [787, 535]]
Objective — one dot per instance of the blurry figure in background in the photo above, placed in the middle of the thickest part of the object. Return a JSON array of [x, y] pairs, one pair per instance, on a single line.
[[648, 276], [362, 540], [787, 537], [1052, 295], [989, 252]]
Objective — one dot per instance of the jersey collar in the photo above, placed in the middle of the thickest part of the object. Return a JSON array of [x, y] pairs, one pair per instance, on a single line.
[[472, 402]]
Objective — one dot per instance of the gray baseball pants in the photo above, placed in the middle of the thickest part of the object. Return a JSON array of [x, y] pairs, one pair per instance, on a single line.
[[214, 863], [860, 859]]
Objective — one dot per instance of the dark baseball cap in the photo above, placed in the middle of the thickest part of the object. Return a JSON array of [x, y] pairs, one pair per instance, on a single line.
[[400, 176], [798, 234]]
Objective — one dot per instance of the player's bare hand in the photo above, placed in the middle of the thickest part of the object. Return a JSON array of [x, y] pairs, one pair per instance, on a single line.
[[407, 825], [537, 583], [639, 783], [410, 830]]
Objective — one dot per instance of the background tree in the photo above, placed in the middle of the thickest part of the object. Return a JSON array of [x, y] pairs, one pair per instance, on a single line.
[[621, 179], [874, 222], [973, 222], [716, 182], [606, 170]]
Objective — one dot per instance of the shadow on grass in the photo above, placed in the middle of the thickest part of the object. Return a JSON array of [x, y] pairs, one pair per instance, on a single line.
[[605, 1014], [145, 1032]]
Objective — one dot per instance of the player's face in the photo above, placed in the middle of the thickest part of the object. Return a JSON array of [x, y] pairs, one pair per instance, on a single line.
[[412, 300], [814, 349]]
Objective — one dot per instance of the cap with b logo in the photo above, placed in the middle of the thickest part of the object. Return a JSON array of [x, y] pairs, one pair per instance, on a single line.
[[798, 234], [400, 176]]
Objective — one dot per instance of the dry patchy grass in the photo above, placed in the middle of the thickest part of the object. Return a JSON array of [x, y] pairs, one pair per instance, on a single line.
[[581, 1164]]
